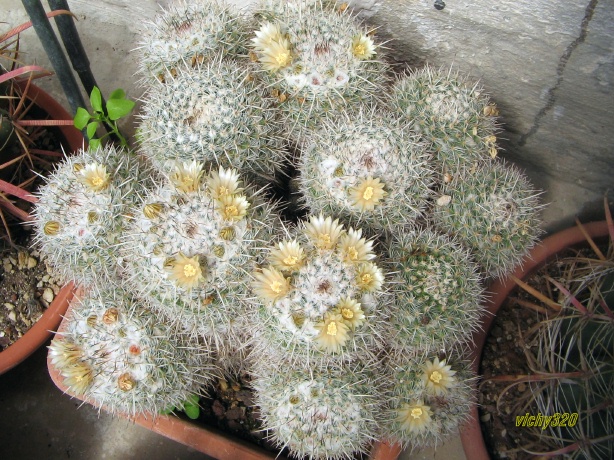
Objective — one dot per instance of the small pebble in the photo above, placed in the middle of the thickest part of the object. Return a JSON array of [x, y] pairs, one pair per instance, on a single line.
[[485, 418], [12, 316], [32, 262], [9, 306], [48, 295], [522, 387]]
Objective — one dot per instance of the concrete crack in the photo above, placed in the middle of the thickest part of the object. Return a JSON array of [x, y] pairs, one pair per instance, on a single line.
[[551, 94]]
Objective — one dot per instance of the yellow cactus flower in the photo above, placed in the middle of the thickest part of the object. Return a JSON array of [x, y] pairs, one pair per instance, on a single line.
[[438, 377], [414, 417], [323, 232], [95, 177], [186, 176], [332, 333], [271, 285], [288, 256], [185, 271], [363, 47], [367, 194]]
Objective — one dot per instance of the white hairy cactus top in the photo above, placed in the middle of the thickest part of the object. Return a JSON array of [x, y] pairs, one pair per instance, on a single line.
[[320, 293], [78, 218], [454, 115], [316, 58], [438, 295], [318, 415], [427, 399], [367, 168], [493, 210], [187, 34], [212, 114], [118, 354], [189, 246]]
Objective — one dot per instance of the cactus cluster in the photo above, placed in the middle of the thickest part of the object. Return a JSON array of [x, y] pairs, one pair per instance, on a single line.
[[361, 308]]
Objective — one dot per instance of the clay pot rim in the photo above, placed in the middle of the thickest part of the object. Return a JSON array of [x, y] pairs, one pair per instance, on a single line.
[[42, 329], [471, 434]]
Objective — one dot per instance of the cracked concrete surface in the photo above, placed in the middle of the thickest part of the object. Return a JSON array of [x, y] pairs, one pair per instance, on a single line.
[[548, 65]]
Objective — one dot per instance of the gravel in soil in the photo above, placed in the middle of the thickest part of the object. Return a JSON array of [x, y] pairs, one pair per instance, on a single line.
[[27, 287]]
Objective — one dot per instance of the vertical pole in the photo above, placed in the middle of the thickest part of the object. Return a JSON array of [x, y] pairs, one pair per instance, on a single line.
[[52, 47]]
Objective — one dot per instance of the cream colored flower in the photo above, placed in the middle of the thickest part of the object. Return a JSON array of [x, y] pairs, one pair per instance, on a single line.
[[369, 277], [269, 33], [64, 353], [288, 256], [271, 285], [367, 194], [78, 377], [185, 271], [351, 313], [363, 47], [186, 176], [355, 249], [232, 207], [223, 183], [324, 233], [95, 177], [332, 333], [414, 417], [276, 55], [438, 377]]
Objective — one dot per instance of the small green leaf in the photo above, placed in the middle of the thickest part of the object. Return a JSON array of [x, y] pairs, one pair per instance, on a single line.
[[167, 411], [91, 129], [81, 118], [118, 94], [96, 99], [192, 399], [94, 144], [118, 108], [192, 411]]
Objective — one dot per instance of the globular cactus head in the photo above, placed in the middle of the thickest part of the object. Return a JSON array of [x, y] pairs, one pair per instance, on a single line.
[[437, 293], [454, 115], [78, 218], [315, 59], [212, 114], [428, 398], [118, 354], [318, 414], [363, 166], [320, 295], [188, 34], [493, 210], [189, 244]]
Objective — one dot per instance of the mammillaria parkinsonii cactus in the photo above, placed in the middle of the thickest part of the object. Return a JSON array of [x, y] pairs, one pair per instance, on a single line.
[[118, 354], [427, 399], [365, 167], [438, 294], [320, 296], [211, 114], [453, 115], [315, 59], [189, 245], [318, 414], [493, 210], [188, 34], [78, 218]]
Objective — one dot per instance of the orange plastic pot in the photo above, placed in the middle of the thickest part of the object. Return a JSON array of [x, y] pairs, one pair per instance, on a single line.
[[471, 434]]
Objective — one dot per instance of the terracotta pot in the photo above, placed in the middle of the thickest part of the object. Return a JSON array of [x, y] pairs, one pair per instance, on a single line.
[[209, 441], [39, 332], [73, 138], [471, 433], [42, 330]]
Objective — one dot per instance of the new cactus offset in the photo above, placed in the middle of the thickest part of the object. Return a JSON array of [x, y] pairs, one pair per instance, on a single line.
[[455, 116], [363, 166], [189, 244], [493, 210], [318, 415], [438, 294], [211, 114], [427, 399], [188, 34], [118, 354], [79, 216], [319, 295], [316, 60]]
